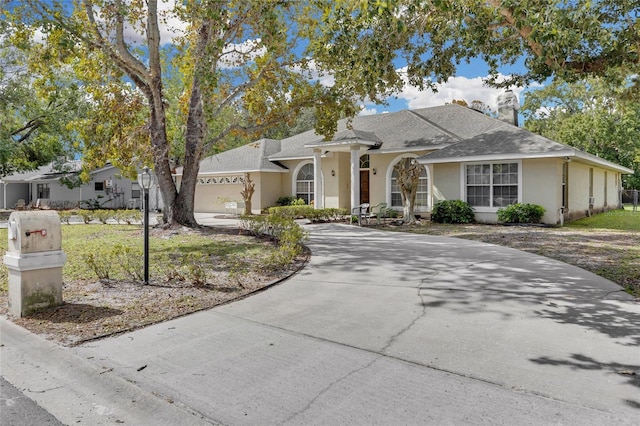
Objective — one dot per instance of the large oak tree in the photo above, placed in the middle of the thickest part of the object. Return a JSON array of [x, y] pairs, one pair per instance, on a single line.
[[234, 56]]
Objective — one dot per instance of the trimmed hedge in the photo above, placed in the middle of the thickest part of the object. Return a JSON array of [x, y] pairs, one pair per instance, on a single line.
[[308, 212], [452, 211], [521, 213]]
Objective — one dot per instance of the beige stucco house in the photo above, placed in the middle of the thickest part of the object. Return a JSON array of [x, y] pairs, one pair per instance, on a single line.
[[466, 155]]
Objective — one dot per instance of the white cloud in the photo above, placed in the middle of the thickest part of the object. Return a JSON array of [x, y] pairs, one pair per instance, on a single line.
[[238, 54], [315, 74], [460, 88], [368, 111]]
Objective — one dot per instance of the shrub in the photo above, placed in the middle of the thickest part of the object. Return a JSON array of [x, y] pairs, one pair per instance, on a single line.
[[130, 260], [308, 212], [285, 230], [287, 200], [298, 202], [65, 216], [101, 262], [521, 213], [87, 215], [452, 211]]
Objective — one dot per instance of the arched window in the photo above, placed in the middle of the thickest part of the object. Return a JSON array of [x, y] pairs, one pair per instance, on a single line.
[[364, 161], [422, 195], [304, 183]]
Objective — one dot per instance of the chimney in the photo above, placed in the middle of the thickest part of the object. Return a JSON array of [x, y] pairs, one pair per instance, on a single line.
[[508, 106]]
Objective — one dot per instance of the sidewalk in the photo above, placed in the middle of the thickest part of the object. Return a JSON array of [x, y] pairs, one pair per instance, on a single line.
[[379, 328]]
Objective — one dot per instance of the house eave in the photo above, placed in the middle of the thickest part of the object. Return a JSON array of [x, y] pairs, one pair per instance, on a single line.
[[303, 157], [408, 149], [237, 172], [568, 154], [494, 157], [345, 145], [592, 159]]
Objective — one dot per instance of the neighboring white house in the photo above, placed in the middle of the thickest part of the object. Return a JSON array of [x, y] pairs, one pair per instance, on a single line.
[[42, 188], [466, 155]]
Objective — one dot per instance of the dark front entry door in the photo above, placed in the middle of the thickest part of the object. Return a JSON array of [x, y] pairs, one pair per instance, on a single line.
[[364, 186]]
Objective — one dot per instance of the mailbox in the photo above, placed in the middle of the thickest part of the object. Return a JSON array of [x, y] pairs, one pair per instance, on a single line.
[[34, 260]]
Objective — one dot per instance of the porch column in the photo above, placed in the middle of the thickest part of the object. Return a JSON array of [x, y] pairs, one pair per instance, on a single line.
[[355, 176], [318, 194]]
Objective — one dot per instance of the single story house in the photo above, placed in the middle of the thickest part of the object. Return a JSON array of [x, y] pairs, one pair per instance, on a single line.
[[42, 188], [466, 155]]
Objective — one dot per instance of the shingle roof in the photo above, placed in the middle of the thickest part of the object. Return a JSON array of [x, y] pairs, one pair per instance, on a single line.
[[397, 131], [502, 141], [46, 172], [247, 158], [455, 133]]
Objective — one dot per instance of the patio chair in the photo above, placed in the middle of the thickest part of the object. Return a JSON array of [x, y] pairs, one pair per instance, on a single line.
[[379, 211], [20, 205], [362, 211]]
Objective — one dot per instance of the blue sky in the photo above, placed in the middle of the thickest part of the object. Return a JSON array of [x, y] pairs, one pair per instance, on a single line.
[[467, 85]]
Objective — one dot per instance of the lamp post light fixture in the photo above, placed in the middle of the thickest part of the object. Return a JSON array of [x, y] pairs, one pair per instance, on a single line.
[[145, 180]]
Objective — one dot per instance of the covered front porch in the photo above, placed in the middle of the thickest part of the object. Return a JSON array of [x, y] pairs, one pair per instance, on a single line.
[[352, 169], [343, 161]]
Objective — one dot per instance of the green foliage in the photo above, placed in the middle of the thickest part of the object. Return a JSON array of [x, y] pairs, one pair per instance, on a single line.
[[452, 211], [103, 215], [391, 213], [65, 216], [86, 215], [521, 213], [363, 42], [233, 71], [298, 202], [594, 115], [130, 260], [286, 200], [309, 212], [285, 230], [622, 220], [101, 261]]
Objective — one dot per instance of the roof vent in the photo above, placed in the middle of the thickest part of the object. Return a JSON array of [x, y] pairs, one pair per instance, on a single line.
[[508, 106]]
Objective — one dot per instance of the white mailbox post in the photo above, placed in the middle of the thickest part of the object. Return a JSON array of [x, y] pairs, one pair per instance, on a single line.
[[34, 259]]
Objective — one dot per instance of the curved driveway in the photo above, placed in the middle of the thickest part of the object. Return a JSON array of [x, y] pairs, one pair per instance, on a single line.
[[393, 328]]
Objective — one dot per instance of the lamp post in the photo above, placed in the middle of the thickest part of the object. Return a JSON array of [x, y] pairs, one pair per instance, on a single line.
[[144, 180]]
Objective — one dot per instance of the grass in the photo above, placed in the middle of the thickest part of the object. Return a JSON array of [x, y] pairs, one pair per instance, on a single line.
[[619, 220], [123, 244]]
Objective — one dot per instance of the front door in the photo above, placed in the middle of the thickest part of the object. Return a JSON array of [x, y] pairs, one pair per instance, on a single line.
[[364, 186]]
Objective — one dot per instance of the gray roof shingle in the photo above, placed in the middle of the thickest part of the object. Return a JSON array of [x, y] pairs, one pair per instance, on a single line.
[[452, 132], [503, 141], [247, 158]]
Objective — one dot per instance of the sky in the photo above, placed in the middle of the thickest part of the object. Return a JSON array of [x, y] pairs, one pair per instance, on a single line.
[[466, 85]]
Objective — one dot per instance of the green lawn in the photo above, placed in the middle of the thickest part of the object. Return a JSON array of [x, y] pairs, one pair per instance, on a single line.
[[621, 220], [118, 250]]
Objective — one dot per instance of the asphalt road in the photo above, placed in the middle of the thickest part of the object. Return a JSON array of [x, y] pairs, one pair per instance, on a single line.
[[16, 409]]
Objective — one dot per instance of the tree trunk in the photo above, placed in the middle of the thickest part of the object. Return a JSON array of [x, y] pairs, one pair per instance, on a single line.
[[248, 188], [408, 170]]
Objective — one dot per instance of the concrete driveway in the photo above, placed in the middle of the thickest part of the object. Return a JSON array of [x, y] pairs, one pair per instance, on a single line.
[[391, 328]]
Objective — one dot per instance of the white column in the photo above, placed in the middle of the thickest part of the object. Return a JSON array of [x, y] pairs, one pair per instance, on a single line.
[[318, 194], [355, 176]]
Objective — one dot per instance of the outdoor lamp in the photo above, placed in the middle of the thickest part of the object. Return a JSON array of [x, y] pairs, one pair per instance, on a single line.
[[145, 180]]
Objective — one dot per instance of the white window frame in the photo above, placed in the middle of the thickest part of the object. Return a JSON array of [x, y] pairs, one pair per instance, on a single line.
[[294, 180], [388, 184], [463, 182]]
